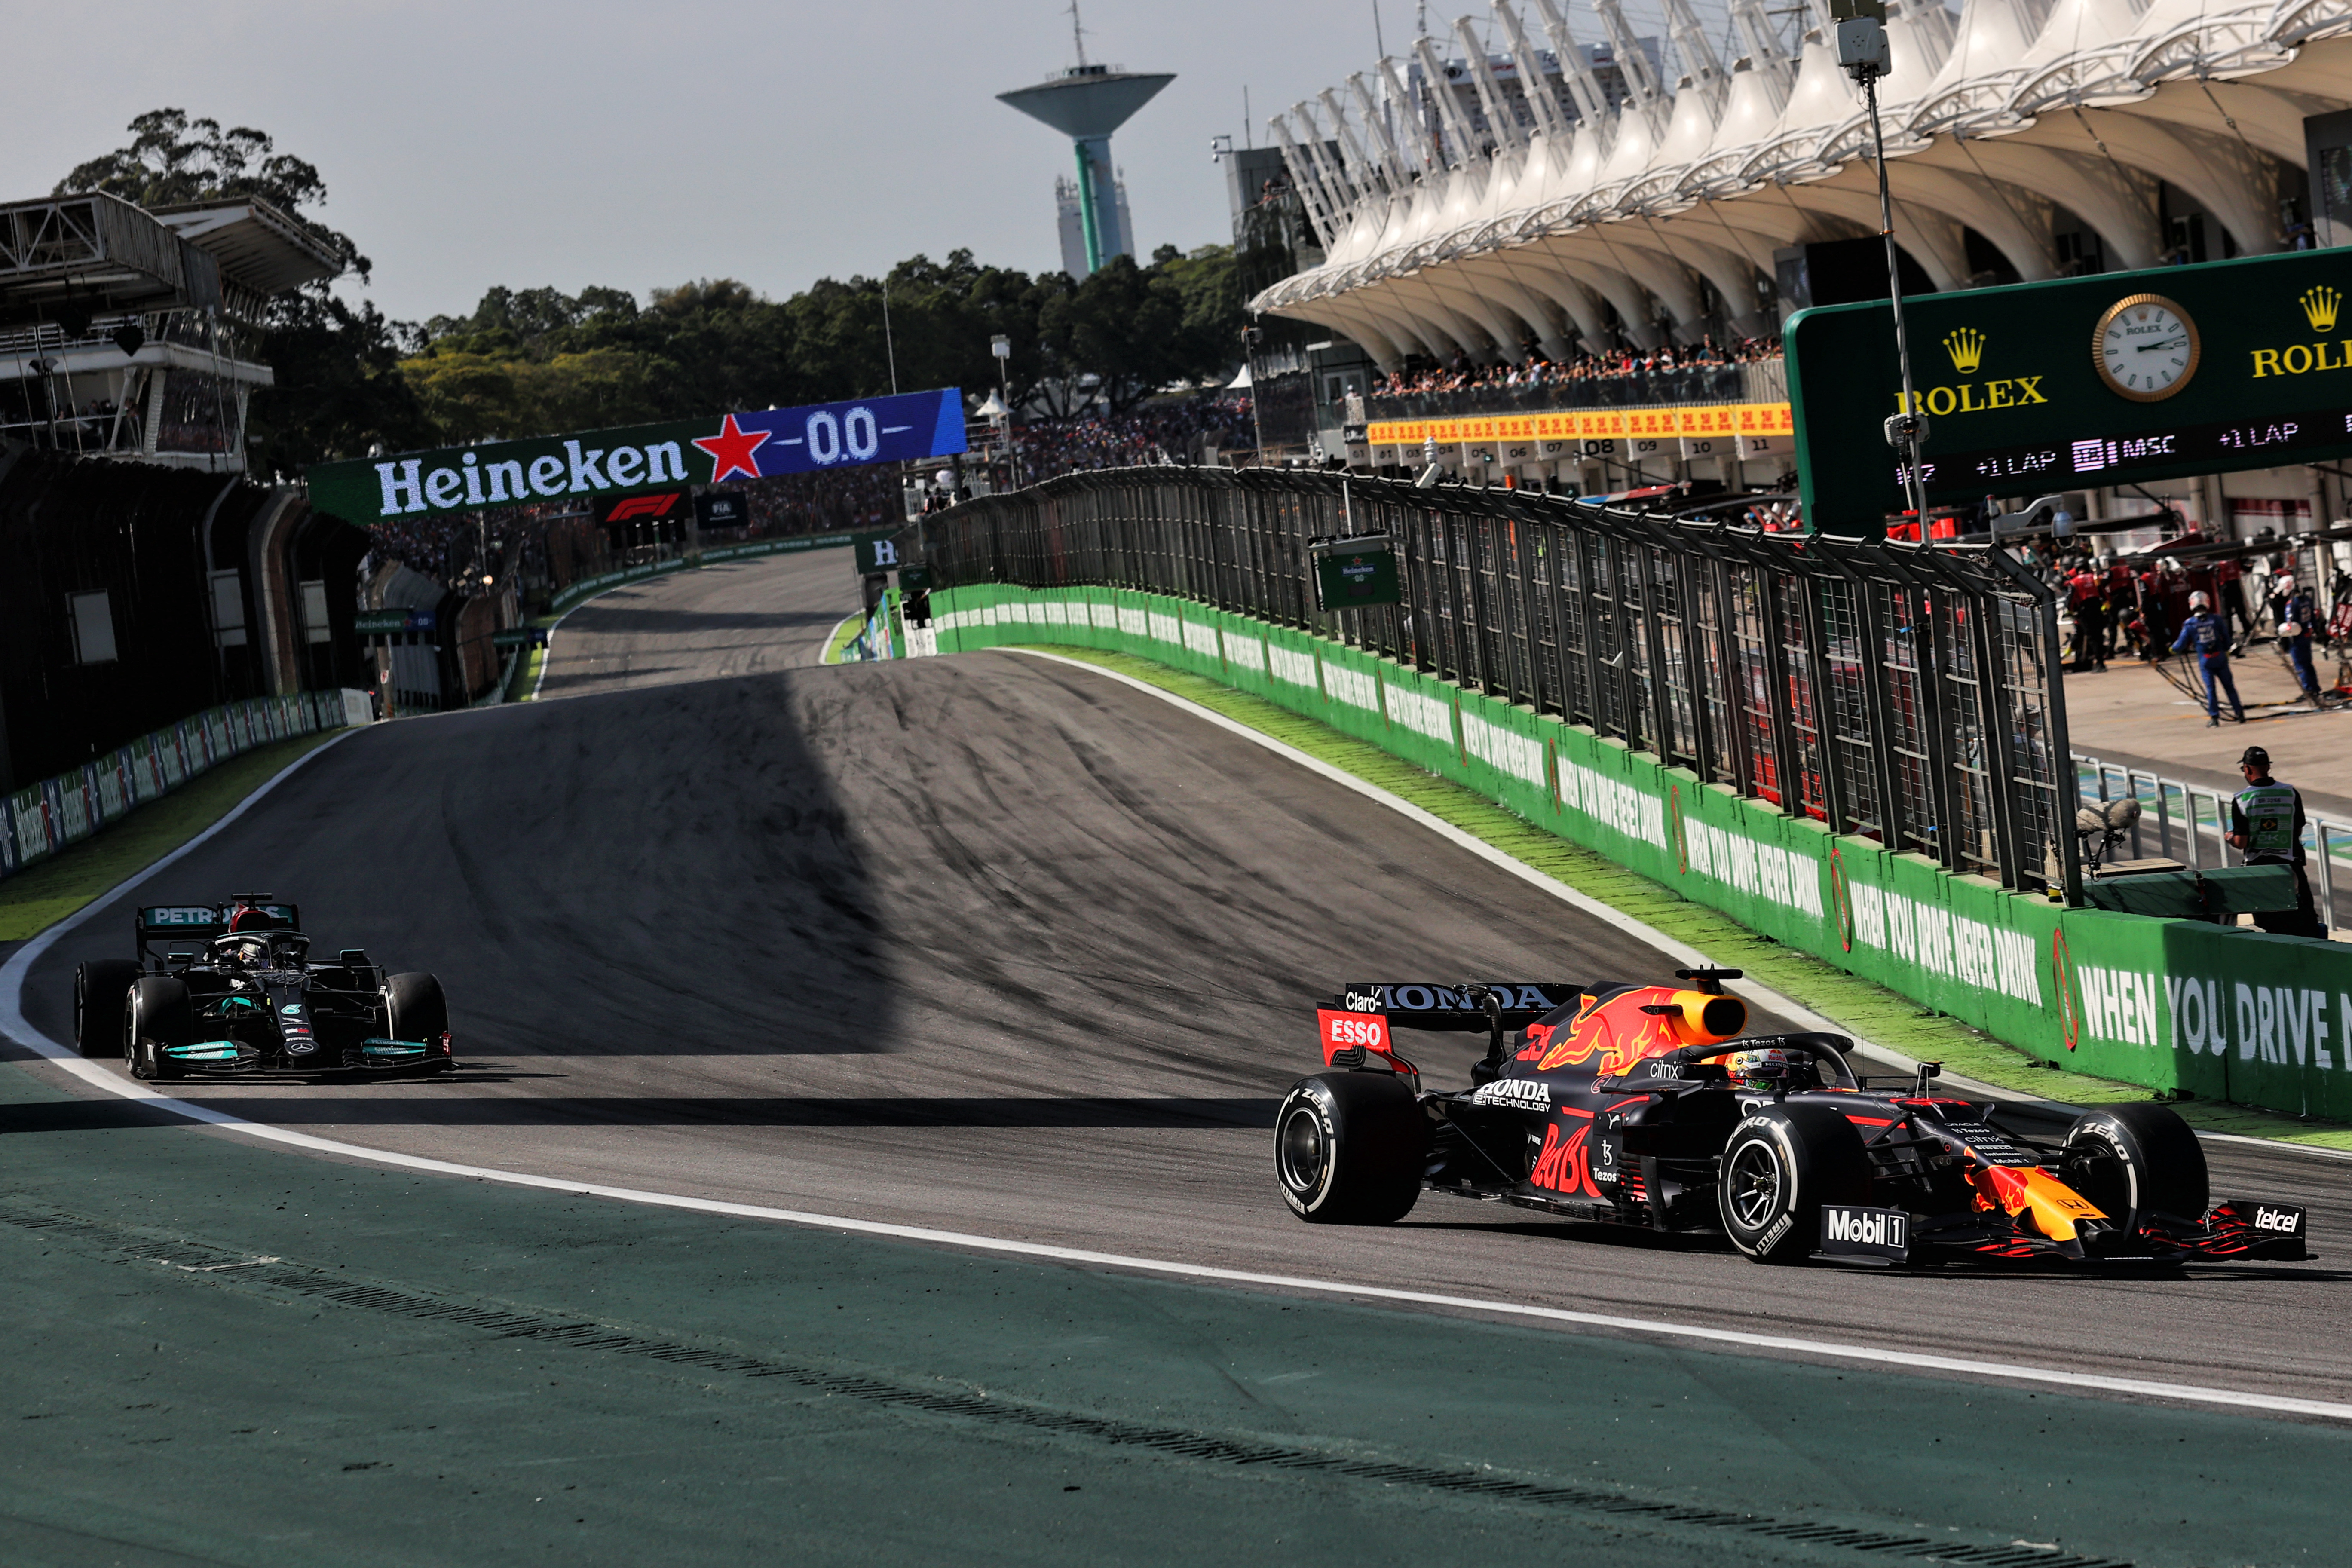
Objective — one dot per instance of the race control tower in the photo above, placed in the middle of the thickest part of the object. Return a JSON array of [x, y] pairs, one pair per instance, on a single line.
[[1086, 103]]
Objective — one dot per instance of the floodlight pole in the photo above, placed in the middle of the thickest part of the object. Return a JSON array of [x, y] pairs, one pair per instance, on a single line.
[[1861, 51], [1914, 425]]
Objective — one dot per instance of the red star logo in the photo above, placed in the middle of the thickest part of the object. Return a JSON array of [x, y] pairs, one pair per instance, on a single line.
[[731, 450]]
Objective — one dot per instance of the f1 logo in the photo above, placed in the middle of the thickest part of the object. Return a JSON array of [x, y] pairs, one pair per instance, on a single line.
[[643, 506]]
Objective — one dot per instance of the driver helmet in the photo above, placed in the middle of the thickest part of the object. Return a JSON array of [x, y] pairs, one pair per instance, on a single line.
[[1766, 1067], [252, 952], [2198, 600]]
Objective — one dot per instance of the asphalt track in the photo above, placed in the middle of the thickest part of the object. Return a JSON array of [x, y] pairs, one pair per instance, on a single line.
[[997, 945]]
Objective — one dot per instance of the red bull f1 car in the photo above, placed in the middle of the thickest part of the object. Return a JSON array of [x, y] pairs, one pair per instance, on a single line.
[[245, 994], [1641, 1105]]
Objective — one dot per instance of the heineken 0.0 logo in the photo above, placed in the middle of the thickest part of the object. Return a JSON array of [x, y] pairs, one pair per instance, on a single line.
[[716, 450]]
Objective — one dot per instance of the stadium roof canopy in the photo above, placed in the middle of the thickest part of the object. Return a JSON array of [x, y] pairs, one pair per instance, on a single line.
[[69, 259], [1569, 194]]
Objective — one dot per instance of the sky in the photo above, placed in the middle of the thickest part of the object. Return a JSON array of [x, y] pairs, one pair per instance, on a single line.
[[639, 146]]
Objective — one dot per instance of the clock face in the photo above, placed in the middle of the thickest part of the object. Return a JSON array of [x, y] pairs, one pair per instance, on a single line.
[[2146, 348]]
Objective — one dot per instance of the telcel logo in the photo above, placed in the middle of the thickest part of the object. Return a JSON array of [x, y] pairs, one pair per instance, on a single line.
[[2286, 1221]]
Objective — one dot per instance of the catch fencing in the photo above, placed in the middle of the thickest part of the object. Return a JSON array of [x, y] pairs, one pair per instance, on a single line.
[[1900, 693]]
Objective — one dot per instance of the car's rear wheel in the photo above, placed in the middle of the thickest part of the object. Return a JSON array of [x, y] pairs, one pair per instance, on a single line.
[[1350, 1147], [161, 1016], [416, 1009], [2138, 1161], [101, 1001], [1782, 1165]]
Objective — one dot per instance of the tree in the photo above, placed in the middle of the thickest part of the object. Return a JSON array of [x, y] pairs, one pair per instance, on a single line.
[[173, 159], [1139, 329], [339, 389]]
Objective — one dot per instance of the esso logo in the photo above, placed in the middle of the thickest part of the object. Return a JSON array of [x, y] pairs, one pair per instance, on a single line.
[[1347, 1031]]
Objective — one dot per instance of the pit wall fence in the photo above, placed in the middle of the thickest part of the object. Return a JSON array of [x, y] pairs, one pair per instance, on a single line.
[[2171, 1005], [37, 822]]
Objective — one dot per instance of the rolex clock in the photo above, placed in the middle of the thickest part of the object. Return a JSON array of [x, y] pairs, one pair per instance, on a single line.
[[2145, 348]]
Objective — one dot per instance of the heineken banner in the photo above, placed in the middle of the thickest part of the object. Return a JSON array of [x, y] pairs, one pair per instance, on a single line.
[[2171, 1004], [715, 450]]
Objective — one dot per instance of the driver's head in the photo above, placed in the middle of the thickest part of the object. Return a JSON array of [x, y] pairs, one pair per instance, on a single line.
[[1769, 1067]]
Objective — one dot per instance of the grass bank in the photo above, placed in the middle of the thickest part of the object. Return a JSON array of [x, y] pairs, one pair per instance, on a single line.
[[50, 889]]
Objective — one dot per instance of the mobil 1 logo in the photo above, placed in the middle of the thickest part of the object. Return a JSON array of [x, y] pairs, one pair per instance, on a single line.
[[1850, 1230]]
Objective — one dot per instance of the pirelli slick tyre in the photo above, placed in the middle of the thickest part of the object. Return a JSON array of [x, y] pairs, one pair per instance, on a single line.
[[1350, 1148], [1781, 1163], [414, 1009], [2137, 1160], [162, 1015], [102, 1003]]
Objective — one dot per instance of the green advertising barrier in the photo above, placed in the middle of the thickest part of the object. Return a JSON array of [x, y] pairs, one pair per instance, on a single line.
[[2171, 1004]]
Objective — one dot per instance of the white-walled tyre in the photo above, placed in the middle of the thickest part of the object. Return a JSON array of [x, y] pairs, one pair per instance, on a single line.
[[1781, 1163], [1350, 1147]]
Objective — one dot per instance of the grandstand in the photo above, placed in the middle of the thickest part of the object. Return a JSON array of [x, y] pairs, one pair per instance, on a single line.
[[1491, 202], [117, 323], [2026, 140]]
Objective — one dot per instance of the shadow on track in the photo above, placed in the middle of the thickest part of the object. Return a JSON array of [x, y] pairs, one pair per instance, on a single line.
[[554, 1110], [657, 872]]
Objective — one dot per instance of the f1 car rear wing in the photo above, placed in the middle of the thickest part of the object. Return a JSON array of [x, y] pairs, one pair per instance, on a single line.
[[1425, 1005], [200, 922]]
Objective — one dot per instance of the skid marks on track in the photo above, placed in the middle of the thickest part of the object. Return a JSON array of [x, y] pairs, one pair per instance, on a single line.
[[1621, 1509]]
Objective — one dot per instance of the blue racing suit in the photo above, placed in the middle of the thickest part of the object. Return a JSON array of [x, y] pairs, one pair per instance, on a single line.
[[2206, 636]]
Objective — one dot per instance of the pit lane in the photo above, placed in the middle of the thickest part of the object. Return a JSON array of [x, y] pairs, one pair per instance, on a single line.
[[994, 945]]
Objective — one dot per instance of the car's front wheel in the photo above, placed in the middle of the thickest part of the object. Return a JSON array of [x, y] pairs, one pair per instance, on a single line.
[[416, 1009], [1782, 1163], [102, 1001], [1350, 1148], [2137, 1160], [162, 1015]]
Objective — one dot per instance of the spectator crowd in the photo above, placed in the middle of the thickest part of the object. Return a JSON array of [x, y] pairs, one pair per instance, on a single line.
[[1417, 377], [1173, 432]]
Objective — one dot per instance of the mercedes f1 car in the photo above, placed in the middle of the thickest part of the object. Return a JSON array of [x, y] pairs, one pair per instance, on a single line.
[[1640, 1105], [251, 997]]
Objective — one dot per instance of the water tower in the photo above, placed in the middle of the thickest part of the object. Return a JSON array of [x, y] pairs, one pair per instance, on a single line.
[[1086, 103]]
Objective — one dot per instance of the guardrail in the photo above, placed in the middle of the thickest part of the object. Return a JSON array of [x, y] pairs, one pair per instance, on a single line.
[[1898, 692], [37, 822]]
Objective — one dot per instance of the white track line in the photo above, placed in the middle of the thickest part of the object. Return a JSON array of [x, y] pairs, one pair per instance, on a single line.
[[14, 1023]]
